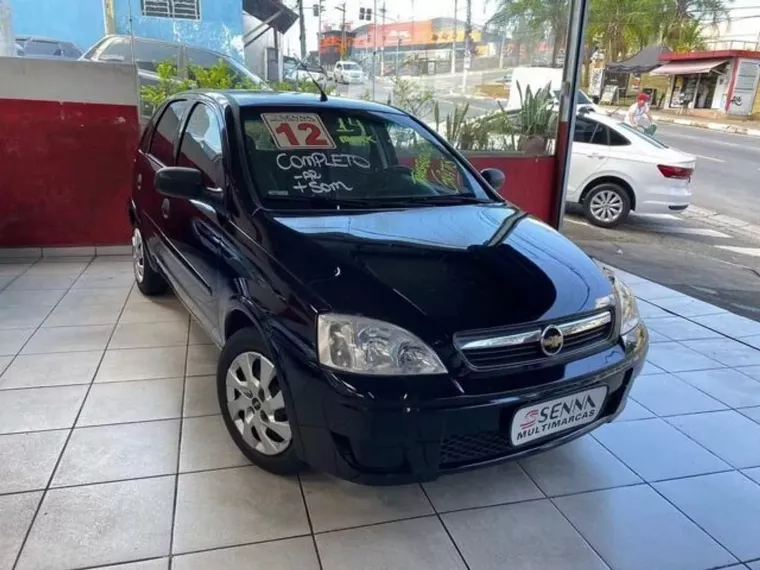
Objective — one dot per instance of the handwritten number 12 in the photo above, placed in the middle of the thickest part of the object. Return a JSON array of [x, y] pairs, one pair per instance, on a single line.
[[314, 138]]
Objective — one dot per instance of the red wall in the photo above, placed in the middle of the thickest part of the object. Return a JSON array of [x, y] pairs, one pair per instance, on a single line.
[[65, 172], [530, 181]]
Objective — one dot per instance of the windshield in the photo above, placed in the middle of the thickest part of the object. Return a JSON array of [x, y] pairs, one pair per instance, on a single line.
[[629, 130], [333, 157], [351, 67]]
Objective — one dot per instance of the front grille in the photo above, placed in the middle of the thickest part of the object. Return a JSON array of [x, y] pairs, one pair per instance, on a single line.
[[470, 448], [523, 345]]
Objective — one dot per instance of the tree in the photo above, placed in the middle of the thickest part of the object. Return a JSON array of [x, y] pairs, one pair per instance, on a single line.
[[548, 18], [302, 29]]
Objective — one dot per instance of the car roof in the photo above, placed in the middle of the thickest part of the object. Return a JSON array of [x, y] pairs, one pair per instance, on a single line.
[[603, 118], [163, 42], [247, 98]]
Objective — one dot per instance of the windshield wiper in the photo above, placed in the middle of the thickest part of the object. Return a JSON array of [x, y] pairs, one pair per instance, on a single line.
[[334, 203], [444, 199]]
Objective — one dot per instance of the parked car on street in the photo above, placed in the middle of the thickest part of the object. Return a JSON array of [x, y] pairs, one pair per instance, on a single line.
[[383, 314], [617, 169], [348, 72], [46, 48], [310, 73], [147, 53]]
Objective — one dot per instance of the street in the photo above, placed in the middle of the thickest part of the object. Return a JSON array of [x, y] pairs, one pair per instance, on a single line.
[[715, 262]]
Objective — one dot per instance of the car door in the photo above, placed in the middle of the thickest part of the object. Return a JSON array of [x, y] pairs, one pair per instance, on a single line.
[[194, 226], [590, 153], [157, 149]]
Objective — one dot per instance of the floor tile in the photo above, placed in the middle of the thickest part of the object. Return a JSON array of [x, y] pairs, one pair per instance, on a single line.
[[751, 413], [149, 335], [656, 450], [39, 409], [200, 396], [230, 507], [633, 411], [4, 362], [688, 306], [418, 544], [68, 339], [32, 370], [726, 351], [752, 341], [68, 269], [729, 435], [677, 328], [90, 297], [754, 565], [206, 444], [649, 291], [725, 505], [13, 528], [751, 371], [649, 311], [726, 385], [650, 368], [27, 459], [22, 317], [581, 465], [506, 483], [633, 528], [111, 453], [335, 504], [142, 364], [288, 554], [155, 311], [730, 325], [102, 280], [10, 268], [77, 315], [675, 357], [753, 474], [153, 564], [46, 299], [42, 283], [198, 335], [139, 401], [12, 340], [523, 536], [665, 395], [202, 360], [101, 524]]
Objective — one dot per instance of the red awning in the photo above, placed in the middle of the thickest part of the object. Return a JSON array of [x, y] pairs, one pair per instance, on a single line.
[[688, 67]]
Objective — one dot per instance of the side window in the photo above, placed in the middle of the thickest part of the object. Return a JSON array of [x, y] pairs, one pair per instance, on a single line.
[[201, 146], [616, 139], [162, 142], [600, 135], [585, 130]]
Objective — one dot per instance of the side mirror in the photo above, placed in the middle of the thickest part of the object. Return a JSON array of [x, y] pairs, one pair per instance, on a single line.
[[180, 182], [494, 177]]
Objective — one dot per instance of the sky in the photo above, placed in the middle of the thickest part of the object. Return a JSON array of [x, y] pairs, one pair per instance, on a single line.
[[743, 26]]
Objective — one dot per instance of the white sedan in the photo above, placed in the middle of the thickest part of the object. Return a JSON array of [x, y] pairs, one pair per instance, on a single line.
[[616, 168]]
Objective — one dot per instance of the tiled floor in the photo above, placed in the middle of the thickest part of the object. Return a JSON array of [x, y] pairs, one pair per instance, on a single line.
[[112, 452]]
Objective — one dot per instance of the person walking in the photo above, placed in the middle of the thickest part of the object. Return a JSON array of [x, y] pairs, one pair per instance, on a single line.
[[638, 115]]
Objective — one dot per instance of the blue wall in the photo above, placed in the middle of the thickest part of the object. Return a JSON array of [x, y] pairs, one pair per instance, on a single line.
[[78, 21], [220, 27]]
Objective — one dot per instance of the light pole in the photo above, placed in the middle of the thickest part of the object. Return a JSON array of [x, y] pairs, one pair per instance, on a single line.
[[319, 32], [374, 48], [454, 42]]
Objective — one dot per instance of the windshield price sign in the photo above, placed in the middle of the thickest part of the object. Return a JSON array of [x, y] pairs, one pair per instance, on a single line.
[[298, 131]]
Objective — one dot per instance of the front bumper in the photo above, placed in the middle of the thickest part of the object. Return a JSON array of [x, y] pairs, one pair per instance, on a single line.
[[360, 437]]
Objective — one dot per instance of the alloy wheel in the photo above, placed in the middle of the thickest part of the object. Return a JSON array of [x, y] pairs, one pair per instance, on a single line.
[[138, 255], [606, 206], [256, 405]]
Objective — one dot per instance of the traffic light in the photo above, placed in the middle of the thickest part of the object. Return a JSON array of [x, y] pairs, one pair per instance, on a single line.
[[317, 9], [369, 14], [362, 12]]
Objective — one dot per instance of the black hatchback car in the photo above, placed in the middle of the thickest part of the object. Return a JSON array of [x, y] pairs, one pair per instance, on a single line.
[[384, 315]]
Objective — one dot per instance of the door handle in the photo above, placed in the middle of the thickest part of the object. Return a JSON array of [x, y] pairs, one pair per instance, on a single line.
[[595, 155], [165, 208]]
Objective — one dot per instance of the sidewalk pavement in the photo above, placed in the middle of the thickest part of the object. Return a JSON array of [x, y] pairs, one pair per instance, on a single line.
[[749, 128], [112, 451]]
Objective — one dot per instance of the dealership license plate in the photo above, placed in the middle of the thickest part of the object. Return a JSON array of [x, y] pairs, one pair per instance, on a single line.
[[553, 416]]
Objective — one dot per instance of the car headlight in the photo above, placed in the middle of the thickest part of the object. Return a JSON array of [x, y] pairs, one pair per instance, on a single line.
[[368, 346], [629, 312]]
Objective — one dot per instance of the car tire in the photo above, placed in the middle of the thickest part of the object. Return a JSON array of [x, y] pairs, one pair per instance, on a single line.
[[252, 401], [607, 205], [149, 281]]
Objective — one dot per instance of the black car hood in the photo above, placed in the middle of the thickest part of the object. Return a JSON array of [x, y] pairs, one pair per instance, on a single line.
[[439, 269]]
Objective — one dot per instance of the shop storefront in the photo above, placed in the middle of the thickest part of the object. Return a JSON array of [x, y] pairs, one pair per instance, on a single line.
[[722, 81]]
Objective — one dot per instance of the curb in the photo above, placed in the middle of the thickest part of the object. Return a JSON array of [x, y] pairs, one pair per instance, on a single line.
[[721, 127], [722, 221]]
